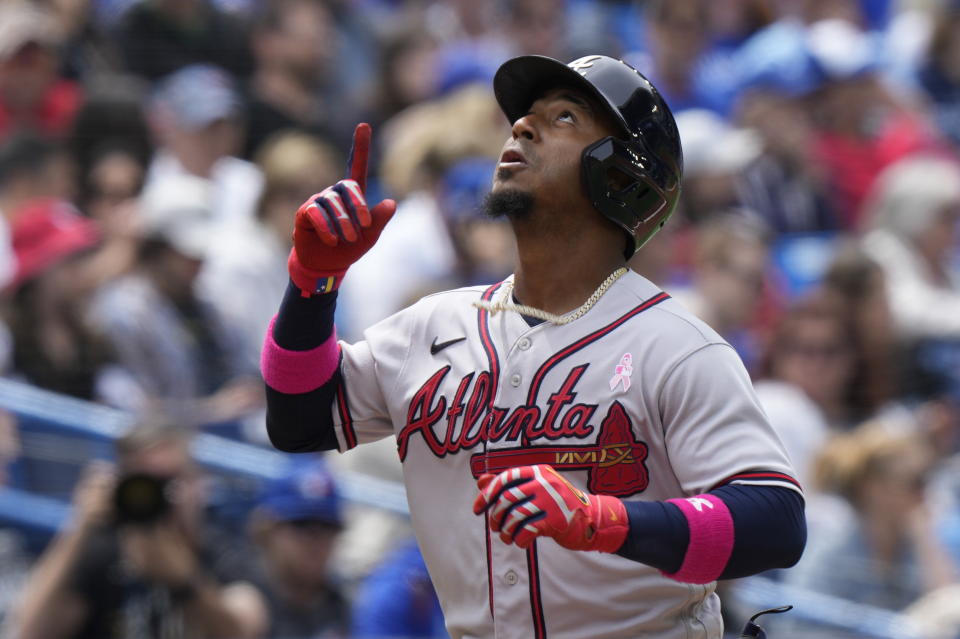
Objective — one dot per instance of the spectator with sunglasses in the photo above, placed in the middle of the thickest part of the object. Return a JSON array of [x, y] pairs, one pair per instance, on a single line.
[[886, 553]]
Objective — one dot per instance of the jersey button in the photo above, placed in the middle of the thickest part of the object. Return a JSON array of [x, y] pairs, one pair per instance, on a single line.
[[511, 578], [515, 379], [524, 344]]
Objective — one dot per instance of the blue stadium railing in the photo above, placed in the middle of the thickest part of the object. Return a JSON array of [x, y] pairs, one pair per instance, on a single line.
[[60, 434]]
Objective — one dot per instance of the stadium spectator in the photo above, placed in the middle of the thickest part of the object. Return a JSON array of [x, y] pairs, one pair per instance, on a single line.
[[537, 27], [250, 259], [33, 95], [112, 180], [89, 54], [677, 32], [851, 11], [484, 247], [939, 73], [137, 559], [887, 554], [470, 26], [861, 126], [857, 283], [834, 360], [783, 184], [397, 599], [159, 37], [912, 215], [812, 349], [31, 169], [185, 360], [196, 116], [407, 73], [659, 260], [111, 148], [730, 260], [732, 22], [714, 155], [295, 525], [681, 59], [294, 45], [111, 119], [370, 532], [54, 346]]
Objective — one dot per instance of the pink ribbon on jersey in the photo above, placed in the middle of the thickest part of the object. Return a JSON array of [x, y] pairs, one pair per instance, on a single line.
[[622, 372]]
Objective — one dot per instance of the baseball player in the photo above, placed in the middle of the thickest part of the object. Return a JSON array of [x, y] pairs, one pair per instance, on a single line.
[[582, 457]]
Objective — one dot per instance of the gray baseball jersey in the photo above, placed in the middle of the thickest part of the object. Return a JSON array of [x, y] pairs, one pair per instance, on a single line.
[[637, 398]]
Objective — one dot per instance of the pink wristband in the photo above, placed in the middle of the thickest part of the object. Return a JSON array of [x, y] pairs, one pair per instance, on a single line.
[[296, 372], [711, 539]]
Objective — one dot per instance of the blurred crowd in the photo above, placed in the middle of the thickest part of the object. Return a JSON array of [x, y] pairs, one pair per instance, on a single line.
[[153, 152]]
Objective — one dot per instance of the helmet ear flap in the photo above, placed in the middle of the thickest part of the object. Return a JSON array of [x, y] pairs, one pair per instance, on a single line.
[[619, 187]]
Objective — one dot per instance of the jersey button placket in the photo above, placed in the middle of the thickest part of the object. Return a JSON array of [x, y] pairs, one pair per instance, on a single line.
[[511, 578], [524, 344], [515, 380]]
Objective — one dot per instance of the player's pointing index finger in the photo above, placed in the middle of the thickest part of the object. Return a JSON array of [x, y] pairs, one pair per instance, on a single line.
[[359, 153]]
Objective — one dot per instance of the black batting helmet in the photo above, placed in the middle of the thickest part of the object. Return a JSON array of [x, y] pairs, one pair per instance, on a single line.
[[632, 178]]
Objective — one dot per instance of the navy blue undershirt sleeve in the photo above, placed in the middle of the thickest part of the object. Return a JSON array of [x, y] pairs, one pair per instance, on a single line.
[[304, 322], [770, 529], [768, 521], [303, 422]]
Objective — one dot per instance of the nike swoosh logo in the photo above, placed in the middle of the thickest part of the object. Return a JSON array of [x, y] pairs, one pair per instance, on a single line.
[[436, 348]]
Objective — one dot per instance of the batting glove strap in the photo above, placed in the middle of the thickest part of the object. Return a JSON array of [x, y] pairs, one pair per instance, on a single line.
[[527, 502], [312, 282]]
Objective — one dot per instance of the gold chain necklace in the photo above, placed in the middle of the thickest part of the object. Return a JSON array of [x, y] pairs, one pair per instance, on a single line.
[[503, 304]]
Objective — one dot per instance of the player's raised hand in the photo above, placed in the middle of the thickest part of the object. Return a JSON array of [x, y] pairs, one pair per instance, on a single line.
[[532, 501], [334, 227]]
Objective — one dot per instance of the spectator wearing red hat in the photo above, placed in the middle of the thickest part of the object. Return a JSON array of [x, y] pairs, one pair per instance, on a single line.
[[52, 270], [53, 345], [45, 233], [33, 95]]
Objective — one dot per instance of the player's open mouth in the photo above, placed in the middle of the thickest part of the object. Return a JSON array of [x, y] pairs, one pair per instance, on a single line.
[[512, 159]]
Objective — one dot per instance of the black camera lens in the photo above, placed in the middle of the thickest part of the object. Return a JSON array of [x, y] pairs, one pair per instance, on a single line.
[[141, 499]]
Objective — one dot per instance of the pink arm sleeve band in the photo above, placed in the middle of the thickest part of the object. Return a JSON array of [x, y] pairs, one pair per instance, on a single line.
[[711, 539], [298, 371]]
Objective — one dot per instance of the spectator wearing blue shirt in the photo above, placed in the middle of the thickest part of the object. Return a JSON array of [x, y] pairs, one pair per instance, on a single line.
[[398, 600]]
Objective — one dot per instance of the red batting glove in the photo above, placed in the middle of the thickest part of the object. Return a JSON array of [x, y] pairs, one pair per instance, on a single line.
[[334, 228], [531, 501]]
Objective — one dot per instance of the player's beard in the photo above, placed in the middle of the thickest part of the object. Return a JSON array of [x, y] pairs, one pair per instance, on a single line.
[[510, 203]]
